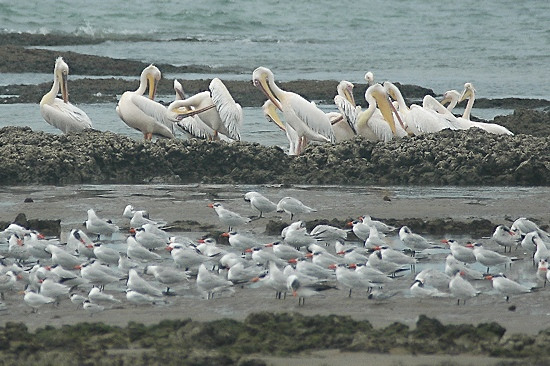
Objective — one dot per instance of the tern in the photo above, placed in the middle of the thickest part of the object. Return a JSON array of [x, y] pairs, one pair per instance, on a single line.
[[461, 289], [227, 217], [99, 226], [293, 207], [210, 283], [507, 287], [260, 202]]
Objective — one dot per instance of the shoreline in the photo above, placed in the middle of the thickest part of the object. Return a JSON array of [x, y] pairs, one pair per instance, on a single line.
[[103, 90], [462, 158], [524, 317]]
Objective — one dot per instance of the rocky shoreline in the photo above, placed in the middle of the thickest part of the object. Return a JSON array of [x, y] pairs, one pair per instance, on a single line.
[[229, 342], [471, 157], [447, 158], [13, 49]]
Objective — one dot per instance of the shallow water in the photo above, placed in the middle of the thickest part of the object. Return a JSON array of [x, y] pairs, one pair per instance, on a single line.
[[500, 46], [255, 129]]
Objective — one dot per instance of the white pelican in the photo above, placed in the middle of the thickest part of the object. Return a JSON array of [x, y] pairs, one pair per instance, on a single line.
[[377, 124], [369, 78], [309, 122], [469, 92], [226, 118], [131, 104], [344, 127], [61, 113], [418, 120], [151, 117], [194, 125], [271, 114], [452, 97]]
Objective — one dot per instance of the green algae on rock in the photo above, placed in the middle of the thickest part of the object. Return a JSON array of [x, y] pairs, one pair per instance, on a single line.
[[227, 341]]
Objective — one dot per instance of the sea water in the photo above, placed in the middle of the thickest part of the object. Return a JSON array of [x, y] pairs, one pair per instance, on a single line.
[[499, 46]]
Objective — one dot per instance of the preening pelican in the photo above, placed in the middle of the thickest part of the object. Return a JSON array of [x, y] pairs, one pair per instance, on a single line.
[[418, 120], [194, 126], [469, 92], [61, 113], [344, 124], [271, 114], [309, 122], [452, 97], [227, 116], [377, 124], [131, 106]]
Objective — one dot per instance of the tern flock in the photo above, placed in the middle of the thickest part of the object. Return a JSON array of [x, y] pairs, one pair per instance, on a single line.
[[367, 258], [215, 115]]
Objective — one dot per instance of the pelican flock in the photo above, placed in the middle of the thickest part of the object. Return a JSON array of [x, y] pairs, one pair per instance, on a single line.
[[215, 115]]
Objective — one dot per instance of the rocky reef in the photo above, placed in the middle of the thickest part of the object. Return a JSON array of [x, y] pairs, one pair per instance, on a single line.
[[230, 342], [471, 157]]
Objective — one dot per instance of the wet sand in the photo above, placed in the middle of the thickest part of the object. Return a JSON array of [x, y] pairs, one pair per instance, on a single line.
[[173, 203]]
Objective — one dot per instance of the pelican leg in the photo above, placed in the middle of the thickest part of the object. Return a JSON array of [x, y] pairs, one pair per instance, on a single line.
[[148, 136]]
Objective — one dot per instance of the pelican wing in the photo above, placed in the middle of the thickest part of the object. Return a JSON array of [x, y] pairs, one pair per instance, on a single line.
[[195, 127], [65, 116], [312, 116], [431, 104], [347, 109], [428, 121], [230, 112], [380, 127], [155, 110]]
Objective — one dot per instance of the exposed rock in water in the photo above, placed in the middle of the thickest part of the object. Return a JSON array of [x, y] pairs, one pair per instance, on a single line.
[[471, 157], [45, 227]]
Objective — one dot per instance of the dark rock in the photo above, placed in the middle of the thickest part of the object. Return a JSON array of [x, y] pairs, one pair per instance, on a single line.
[[471, 157], [45, 227]]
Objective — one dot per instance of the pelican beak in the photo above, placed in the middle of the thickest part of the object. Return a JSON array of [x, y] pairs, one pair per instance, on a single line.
[[349, 96], [182, 112], [263, 85], [338, 119], [445, 100], [64, 91], [398, 117], [385, 106], [465, 94], [270, 111], [180, 93], [152, 86]]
